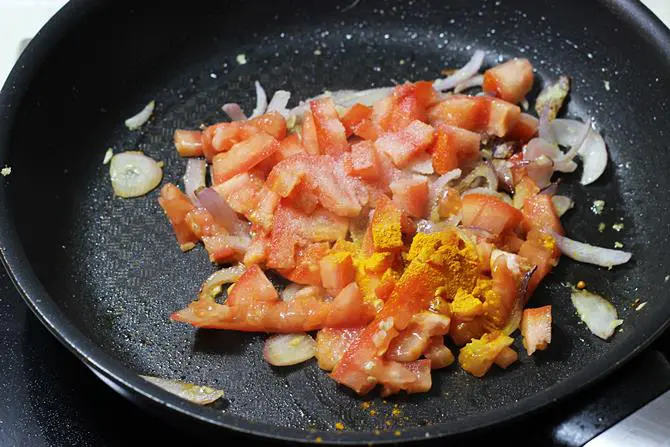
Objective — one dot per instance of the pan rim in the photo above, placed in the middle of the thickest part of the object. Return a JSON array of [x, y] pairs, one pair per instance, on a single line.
[[48, 312]]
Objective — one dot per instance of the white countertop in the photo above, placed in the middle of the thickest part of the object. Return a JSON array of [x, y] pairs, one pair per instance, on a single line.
[[21, 19]]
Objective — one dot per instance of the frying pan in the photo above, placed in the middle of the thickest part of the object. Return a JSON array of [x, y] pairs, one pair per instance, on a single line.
[[103, 273]]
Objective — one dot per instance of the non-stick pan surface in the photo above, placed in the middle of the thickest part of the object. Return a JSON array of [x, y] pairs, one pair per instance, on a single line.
[[104, 273]]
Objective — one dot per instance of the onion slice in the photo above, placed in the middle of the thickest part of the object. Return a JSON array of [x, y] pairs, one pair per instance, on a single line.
[[211, 287], [261, 100], [289, 349], [198, 394], [592, 151], [599, 314], [194, 177], [436, 187], [136, 121], [422, 164], [278, 103], [590, 254], [222, 212], [475, 81], [464, 73], [134, 174], [562, 204], [234, 111]]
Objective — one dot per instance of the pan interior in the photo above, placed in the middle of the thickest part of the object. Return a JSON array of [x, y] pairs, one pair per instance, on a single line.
[[115, 270]]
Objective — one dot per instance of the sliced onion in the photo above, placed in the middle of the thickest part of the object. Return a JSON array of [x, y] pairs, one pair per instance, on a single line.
[[593, 150], [234, 111], [428, 226], [545, 130], [346, 98], [194, 177], [290, 291], [226, 275], [423, 164], [134, 174], [562, 204], [278, 103], [466, 72], [475, 81], [135, 122], [483, 171], [590, 254], [198, 394], [503, 170], [289, 349], [599, 314], [436, 187], [222, 212], [261, 100], [489, 192]]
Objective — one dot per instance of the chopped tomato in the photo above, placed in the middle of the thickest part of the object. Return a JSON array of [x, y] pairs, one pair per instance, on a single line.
[[202, 223], [188, 142], [257, 253], [439, 355], [502, 118], [407, 103], [366, 129], [523, 190], [510, 81], [385, 226], [253, 285], [411, 343], [272, 123], [536, 328], [454, 147], [307, 262], [478, 356], [224, 247], [524, 129], [540, 249], [462, 332], [355, 116], [331, 344], [310, 139], [337, 270], [330, 132], [410, 194], [177, 206], [489, 213], [405, 144], [290, 146], [263, 213], [364, 161], [539, 214], [242, 157], [466, 112], [240, 192], [506, 357], [303, 198]]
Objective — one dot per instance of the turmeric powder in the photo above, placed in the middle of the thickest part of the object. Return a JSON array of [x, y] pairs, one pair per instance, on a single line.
[[466, 306]]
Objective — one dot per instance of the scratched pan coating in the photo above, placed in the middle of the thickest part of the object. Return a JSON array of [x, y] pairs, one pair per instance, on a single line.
[[104, 273]]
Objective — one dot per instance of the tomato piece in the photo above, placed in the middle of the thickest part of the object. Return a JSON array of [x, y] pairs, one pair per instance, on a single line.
[[536, 328], [407, 103], [310, 139], [510, 81], [366, 129], [506, 357], [307, 264], [410, 194], [524, 129], [523, 190], [331, 344], [461, 332], [272, 123], [340, 313], [503, 116], [337, 270], [240, 192], [364, 161], [253, 285], [202, 223], [540, 249], [242, 157], [539, 214], [303, 198], [467, 112], [355, 116], [188, 142], [439, 355], [289, 147], [263, 213], [405, 144], [411, 343], [454, 147], [258, 250], [478, 356], [386, 226], [177, 206], [330, 132], [489, 213], [223, 247]]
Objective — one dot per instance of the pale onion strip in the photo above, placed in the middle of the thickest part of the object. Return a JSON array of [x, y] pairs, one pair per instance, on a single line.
[[485, 171], [422, 164], [289, 349], [599, 314], [136, 121], [428, 226], [475, 81], [466, 72], [593, 151], [489, 192], [545, 130], [133, 174], [436, 187], [198, 394], [228, 275], [261, 100], [590, 254], [234, 111], [278, 103], [290, 291], [222, 212], [194, 177], [562, 204], [346, 98]]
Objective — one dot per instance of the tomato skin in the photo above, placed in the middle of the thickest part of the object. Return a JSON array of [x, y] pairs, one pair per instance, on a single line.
[[454, 147], [240, 192], [539, 214], [536, 328], [252, 285], [243, 156], [310, 139], [411, 195], [188, 142], [476, 113], [489, 213], [511, 81], [330, 132], [524, 130], [411, 343], [405, 144], [364, 161], [355, 116], [307, 264], [177, 206], [332, 343], [407, 103], [337, 271], [271, 123]]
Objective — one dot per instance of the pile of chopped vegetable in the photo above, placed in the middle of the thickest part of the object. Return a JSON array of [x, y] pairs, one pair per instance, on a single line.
[[409, 221]]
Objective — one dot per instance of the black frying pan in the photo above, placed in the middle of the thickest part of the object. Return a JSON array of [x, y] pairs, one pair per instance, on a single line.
[[104, 273]]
